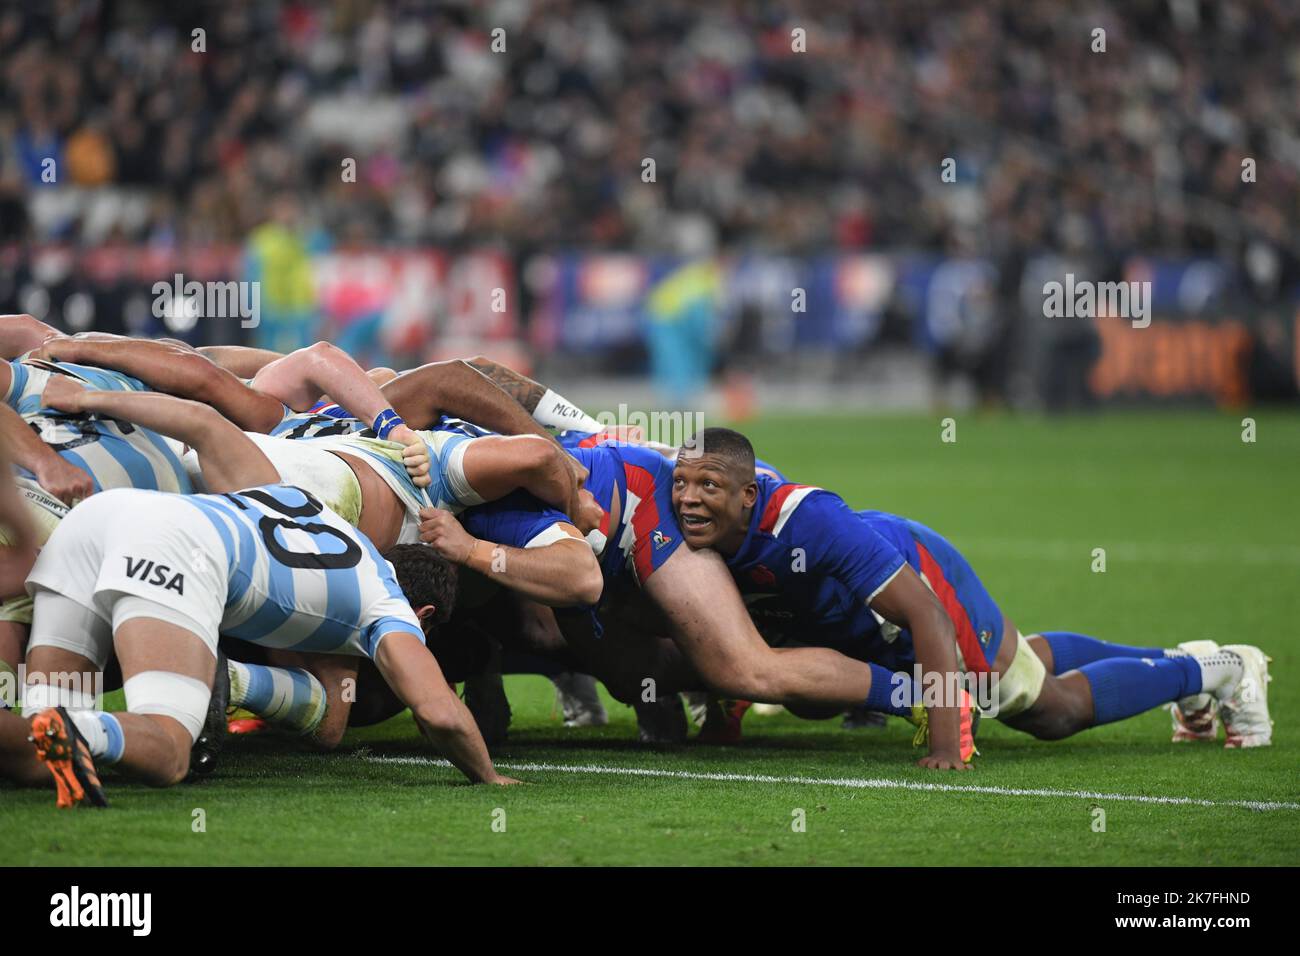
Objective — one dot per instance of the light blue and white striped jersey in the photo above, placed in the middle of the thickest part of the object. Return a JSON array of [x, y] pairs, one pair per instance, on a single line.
[[300, 577], [317, 422], [115, 454]]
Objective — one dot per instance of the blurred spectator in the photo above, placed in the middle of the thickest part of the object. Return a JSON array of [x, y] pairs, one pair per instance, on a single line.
[[1141, 146], [278, 259]]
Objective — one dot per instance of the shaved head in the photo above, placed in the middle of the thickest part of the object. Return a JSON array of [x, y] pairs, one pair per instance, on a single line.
[[730, 446]]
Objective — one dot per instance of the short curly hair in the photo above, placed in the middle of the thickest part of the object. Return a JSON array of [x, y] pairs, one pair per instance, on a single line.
[[425, 578]]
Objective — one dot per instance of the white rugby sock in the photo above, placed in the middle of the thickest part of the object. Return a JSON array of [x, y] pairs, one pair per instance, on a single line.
[[102, 731], [1220, 671]]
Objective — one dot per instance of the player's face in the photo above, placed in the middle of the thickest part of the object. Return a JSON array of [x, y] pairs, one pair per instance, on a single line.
[[710, 501]]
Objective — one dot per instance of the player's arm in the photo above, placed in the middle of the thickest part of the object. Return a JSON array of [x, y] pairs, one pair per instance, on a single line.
[[229, 459], [22, 333], [455, 388], [496, 465], [300, 378], [177, 371], [907, 602], [241, 360], [839, 544], [546, 407], [55, 474], [560, 574], [415, 677]]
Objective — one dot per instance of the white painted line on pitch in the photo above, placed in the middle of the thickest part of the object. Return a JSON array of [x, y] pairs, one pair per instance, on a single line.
[[868, 783]]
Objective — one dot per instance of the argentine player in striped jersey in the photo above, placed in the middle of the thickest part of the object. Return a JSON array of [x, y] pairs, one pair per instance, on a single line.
[[61, 459], [157, 578], [885, 588]]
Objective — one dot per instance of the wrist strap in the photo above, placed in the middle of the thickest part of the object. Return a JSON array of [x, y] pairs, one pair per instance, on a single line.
[[385, 422]]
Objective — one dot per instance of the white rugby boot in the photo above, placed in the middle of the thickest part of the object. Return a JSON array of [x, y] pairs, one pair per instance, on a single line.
[[1244, 705], [1196, 717]]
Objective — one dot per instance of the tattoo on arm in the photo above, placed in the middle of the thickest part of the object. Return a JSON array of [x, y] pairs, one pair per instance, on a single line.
[[519, 387]]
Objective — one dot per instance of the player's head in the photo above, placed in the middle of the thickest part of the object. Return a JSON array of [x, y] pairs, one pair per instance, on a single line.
[[427, 580], [714, 488]]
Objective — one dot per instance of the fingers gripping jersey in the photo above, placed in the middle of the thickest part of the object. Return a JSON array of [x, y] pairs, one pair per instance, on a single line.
[[268, 565], [116, 454]]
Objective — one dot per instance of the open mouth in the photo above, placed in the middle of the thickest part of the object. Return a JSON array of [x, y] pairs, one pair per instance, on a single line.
[[694, 523]]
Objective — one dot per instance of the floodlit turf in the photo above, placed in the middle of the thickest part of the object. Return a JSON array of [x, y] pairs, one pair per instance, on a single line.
[[1202, 540]]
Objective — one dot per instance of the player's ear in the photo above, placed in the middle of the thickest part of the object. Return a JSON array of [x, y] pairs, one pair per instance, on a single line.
[[749, 494], [425, 612]]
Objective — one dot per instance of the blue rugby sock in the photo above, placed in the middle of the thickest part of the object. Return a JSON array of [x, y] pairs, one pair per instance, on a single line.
[[1123, 687], [1072, 651], [892, 692]]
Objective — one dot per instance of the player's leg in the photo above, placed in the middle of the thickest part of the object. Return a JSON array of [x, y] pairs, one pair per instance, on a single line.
[[709, 622], [1062, 651], [308, 695], [1112, 689], [167, 669]]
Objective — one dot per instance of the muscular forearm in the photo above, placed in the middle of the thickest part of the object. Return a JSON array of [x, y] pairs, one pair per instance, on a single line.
[[25, 447], [455, 388], [558, 575], [229, 459], [934, 641], [544, 405], [22, 333], [459, 740]]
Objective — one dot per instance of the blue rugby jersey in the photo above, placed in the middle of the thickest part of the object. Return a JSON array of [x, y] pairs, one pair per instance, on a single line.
[[824, 563]]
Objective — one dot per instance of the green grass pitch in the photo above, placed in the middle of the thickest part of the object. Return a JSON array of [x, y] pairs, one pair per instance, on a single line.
[[1202, 538]]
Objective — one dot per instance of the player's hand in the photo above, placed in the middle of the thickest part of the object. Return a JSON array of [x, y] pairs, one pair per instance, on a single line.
[[63, 394], [415, 457], [587, 513], [441, 531], [64, 480], [942, 761], [54, 349], [578, 469]]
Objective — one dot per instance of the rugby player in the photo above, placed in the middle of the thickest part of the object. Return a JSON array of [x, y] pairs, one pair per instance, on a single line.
[[866, 582], [155, 578]]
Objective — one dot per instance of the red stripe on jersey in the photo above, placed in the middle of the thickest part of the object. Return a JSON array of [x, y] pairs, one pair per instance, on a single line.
[[644, 520], [773, 510], [591, 441], [971, 650]]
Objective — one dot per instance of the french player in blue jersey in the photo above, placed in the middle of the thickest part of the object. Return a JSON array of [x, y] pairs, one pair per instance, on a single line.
[[157, 578], [888, 589], [673, 614]]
